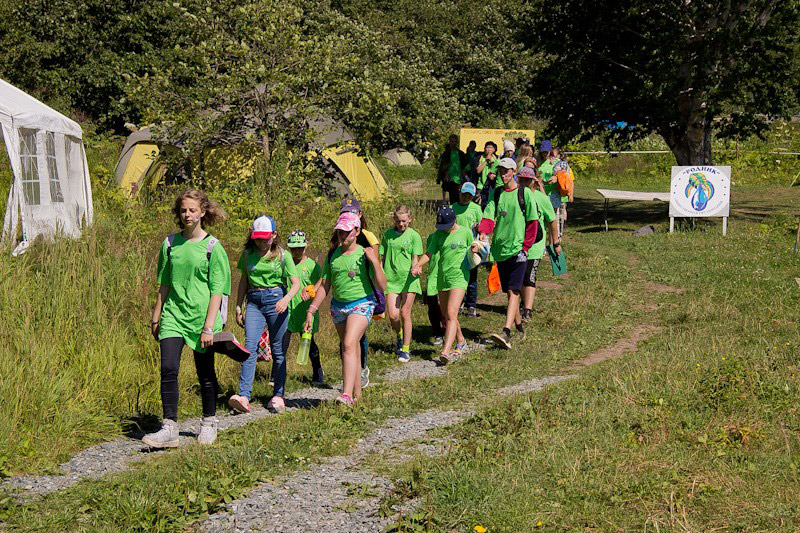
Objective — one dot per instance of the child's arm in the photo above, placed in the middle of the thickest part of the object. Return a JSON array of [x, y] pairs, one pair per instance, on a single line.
[[416, 270], [321, 292], [380, 276], [161, 297]]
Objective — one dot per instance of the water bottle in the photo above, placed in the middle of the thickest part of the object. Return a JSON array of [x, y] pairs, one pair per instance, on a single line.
[[305, 348]]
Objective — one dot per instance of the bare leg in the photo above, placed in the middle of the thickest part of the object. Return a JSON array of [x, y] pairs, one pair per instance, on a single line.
[[450, 303], [512, 313], [406, 301], [351, 332], [393, 302], [528, 295]]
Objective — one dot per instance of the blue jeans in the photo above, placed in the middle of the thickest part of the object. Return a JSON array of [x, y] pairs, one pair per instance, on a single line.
[[471, 299], [261, 311]]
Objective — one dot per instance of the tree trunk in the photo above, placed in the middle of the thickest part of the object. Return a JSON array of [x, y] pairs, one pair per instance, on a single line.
[[265, 146], [690, 139]]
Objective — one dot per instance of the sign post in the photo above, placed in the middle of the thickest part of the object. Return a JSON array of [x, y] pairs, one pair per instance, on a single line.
[[700, 191]]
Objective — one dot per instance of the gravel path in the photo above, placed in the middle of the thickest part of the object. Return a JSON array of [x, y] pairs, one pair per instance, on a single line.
[[340, 493]]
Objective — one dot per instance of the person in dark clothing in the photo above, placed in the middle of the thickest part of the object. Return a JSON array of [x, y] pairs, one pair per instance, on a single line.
[[451, 168]]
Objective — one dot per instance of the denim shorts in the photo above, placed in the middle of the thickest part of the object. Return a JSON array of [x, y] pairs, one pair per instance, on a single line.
[[341, 310]]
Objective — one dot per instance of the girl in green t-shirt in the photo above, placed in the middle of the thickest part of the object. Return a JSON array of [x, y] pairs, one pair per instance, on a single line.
[[309, 273], [347, 275], [400, 249], [265, 268], [193, 276], [447, 248]]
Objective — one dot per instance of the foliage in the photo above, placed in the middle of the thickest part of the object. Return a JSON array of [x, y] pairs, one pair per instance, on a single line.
[[683, 70]]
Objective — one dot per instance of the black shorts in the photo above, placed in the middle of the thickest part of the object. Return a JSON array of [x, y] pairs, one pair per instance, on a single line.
[[511, 273], [530, 273]]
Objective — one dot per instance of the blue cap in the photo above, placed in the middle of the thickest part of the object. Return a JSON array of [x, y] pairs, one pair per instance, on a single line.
[[469, 188], [350, 205], [546, 146], [445, 218]]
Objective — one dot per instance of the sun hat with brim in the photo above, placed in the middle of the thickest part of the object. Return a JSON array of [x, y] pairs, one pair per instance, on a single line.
[[507, 162], [348, 222], [297, 239], [526, 173], [508, 146], [546, 146], [445, 218], [226, 343], [469, 188], [263, 228], [350, 205]]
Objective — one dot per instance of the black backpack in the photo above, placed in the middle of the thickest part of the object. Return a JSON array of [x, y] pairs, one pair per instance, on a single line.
[[522, 205]]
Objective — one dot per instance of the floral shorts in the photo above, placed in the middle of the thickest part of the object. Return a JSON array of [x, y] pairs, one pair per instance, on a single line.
[[341, 310]]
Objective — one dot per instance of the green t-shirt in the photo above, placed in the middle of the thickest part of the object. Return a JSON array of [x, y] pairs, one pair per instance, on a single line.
[[545, 214], [490, 168], [266, 273], [451, 271], [454, 168], [348, 275], [309, 273], [509, 229], [398, 250], [547, 171], [186, 272], [467, 215]]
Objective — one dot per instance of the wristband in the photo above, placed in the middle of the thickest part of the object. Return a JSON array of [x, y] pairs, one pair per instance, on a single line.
[[153, 322], [315, 309], [208, 331]]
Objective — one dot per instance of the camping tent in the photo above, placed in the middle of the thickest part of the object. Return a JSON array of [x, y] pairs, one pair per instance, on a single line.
[[400, 157], [338, 153], [51, 190]]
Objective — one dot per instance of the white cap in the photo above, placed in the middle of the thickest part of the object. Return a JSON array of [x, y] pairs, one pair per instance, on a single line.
[[508, 145], [507, 162]]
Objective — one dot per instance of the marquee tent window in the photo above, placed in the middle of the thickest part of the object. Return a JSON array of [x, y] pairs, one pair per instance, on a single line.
[[51, 193]]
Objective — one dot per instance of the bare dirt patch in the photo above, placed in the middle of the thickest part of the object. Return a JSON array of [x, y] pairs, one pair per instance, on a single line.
[[549, 285], [628, 344], [659, 288], [413, 187]]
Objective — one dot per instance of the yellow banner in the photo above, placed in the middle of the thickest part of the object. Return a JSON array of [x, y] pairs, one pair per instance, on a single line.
[[482, 136]]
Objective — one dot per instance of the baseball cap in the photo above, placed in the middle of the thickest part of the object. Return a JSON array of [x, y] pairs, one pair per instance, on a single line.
[[469, 188], [297, 239], [507, 162], [445, 218], [350, 205], [348, 221], [263, 228], [508, 145], [526, 173], [546, 146]]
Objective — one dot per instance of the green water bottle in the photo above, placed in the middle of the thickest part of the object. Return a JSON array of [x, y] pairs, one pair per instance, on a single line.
[[305, 348]]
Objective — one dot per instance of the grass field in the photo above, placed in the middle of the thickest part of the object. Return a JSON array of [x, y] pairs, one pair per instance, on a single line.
[[695, 430]]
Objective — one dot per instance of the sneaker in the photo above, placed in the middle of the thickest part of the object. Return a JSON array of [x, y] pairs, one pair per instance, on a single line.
[[344, 399], [461, 348], [404, 357], [276, 405], [240, 404], [365, 378], [502, 339], [208, 430], [398, 347], [318, 378], [472, 313], [444, 359], [438, 341], [166, 437], [525, 314], [520, 334]]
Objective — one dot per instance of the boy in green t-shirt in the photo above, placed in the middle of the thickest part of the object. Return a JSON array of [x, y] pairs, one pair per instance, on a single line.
[[468, 215], [514, 232], [309, 273], [400, 249], [449, 245]]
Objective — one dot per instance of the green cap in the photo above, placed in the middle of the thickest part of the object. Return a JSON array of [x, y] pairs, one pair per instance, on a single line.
[[297, 239]]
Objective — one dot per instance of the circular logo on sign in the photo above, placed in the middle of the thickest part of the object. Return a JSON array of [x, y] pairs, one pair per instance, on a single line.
[[700, 191]]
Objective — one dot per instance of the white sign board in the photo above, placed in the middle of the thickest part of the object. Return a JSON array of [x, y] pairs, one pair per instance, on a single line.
[[700, 191]]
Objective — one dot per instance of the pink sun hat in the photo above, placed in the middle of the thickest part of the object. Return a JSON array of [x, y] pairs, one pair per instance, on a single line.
[[348, 221]]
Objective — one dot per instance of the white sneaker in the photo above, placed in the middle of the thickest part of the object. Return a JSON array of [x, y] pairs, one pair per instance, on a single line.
[[166, 437], [208, 430], [365, 378]]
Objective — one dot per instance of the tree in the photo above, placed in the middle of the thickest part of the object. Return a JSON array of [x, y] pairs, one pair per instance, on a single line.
[[684, 69]]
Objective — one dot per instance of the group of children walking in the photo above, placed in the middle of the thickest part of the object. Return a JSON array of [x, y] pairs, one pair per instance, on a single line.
[[281, 294]]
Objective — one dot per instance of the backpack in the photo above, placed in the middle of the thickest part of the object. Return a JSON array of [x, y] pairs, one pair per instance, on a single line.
[[564, 179], [212, 241], [521, 199]]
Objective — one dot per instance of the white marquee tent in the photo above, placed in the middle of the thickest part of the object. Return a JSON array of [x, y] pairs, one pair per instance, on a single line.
[[51, 191]]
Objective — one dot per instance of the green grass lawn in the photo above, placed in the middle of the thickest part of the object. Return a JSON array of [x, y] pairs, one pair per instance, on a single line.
[[697, 429]]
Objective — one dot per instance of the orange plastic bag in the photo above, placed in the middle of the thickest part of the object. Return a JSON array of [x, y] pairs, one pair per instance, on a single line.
[[494, 280]]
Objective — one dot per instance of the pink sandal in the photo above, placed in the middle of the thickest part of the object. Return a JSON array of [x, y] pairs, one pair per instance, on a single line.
[[345, 399]]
